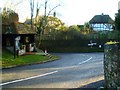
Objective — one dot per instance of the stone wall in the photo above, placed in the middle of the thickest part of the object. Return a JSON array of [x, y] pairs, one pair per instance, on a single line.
[[112, 66]]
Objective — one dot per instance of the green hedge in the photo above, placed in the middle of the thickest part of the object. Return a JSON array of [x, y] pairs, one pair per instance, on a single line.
[[71, 45]]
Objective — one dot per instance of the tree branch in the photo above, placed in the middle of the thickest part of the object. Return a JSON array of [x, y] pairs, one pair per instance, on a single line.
[[53, 9]]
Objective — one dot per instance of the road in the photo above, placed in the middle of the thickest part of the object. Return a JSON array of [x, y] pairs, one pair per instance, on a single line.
[[72, 70]]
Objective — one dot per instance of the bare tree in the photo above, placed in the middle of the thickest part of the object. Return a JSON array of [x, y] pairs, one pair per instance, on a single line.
[[53, 9], [43, 22], [32, 11]]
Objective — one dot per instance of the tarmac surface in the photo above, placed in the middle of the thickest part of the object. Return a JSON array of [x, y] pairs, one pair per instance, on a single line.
[[71, 71]]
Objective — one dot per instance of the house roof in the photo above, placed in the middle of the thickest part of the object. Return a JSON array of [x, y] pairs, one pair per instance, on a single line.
[[22, 28], [17, 28], [99, 19], [28, 21]]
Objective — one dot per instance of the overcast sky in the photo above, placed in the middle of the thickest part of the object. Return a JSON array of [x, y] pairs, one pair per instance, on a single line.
[[70, 12]]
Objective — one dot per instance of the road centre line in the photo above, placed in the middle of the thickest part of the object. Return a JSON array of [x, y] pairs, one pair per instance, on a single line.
[[74, 66], [77, 65], [85, 61], [19, 80]]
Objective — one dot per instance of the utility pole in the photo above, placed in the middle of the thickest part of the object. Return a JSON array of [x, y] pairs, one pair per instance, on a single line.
[[14, 49]]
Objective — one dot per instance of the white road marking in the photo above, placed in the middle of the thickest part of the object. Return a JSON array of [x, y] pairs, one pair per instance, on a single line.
[[85, 61], [70, 67], [28, 78], [19, 80]]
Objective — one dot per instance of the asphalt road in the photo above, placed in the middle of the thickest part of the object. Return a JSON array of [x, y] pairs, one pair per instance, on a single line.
[[72, 70]]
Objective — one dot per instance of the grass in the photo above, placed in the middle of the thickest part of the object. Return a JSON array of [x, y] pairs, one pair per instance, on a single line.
[[9, 61]]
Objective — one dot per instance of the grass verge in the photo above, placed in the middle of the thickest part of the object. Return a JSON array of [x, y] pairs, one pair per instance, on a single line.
[[9, 61]]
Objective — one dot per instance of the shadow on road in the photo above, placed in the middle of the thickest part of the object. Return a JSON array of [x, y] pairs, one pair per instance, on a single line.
[[91, 86]]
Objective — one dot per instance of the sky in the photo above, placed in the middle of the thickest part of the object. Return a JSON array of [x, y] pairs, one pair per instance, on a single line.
[[71, 12]]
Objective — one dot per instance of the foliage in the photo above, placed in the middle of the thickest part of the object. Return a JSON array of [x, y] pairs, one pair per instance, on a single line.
[[73, 32], [74, 28], [87, 28], [42, 26], [117, 20], [9, 16], [75, 45], [117, 24], [53, 27], [53, 24], [113, 35]]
